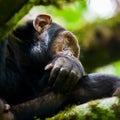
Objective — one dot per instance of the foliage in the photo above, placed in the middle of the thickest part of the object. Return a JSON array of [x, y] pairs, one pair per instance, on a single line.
[[117, 67], [70, 15]]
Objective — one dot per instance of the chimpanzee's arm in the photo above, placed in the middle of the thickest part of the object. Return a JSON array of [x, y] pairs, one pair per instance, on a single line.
[[90, 87], [9, 75], [94, 86]]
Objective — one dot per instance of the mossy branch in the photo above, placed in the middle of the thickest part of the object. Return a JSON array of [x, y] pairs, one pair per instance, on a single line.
[[103, 109]]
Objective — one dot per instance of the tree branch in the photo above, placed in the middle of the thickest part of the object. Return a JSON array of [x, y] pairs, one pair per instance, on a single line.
[[104, 109], [100, 43]]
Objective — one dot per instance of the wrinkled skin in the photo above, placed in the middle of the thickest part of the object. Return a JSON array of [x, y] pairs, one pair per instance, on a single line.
[[65, 74]]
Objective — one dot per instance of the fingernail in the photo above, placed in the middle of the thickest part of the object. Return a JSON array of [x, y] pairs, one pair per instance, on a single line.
[[49, 66]]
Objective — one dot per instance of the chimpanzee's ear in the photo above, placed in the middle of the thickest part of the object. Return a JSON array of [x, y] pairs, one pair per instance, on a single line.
[[72, 42], [42, 22]]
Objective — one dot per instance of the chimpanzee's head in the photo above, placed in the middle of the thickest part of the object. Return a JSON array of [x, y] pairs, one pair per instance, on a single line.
[[56, 38], [43, 39]]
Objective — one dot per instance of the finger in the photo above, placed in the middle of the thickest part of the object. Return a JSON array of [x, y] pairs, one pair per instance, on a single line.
[[67, 83], [62, 76], [58, 85], [6, 107], [77, 71], [53, 75], [55, 71], [74, 83], [72, 80], [49, 66]]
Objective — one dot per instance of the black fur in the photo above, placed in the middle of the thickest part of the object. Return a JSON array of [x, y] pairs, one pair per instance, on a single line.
[[22, 71], [23, 57], [94, 86]]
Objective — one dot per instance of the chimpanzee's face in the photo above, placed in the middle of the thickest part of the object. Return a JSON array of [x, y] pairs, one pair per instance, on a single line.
[[39, 49], [40, 44], [50, 39]]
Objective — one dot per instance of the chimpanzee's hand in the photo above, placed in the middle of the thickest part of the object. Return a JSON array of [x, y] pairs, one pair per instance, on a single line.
[[5, 114], [65, 74]]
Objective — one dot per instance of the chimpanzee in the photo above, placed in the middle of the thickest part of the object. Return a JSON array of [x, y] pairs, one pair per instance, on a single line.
[[38, 56], [40, 71]]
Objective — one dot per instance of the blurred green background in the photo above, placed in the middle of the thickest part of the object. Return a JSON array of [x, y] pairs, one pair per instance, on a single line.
[[96, 23], [76, 15]]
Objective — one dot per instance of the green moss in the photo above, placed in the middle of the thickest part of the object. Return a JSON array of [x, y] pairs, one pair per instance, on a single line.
[[98, 113], [36, 118], [105, 109], [68, 114], [116, 109]]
